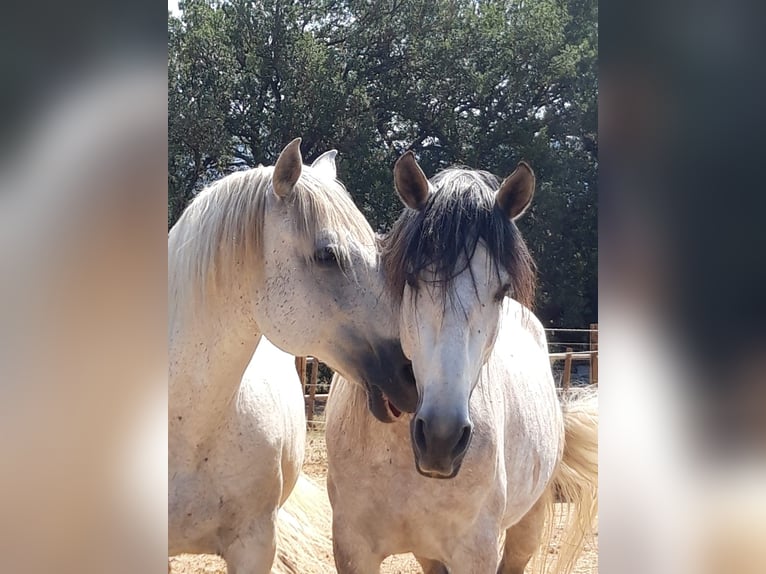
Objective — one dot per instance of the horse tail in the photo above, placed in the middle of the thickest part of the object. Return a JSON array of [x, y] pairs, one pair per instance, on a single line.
[[575, 481], [304, 545]]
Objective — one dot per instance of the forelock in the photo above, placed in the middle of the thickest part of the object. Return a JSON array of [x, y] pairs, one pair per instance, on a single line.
[[443, 236]]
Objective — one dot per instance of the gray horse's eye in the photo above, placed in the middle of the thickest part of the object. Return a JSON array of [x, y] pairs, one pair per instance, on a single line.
[[326, 255]]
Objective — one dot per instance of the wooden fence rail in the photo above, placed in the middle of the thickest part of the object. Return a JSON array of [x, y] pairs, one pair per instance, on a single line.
[[569, 356]]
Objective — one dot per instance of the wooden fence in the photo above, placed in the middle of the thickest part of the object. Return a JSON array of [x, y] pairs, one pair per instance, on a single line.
[[569, 355], [308, 371], [308, 367]]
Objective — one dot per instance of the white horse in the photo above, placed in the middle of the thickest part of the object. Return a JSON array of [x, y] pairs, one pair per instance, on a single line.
[[488, 423], [281, 252]]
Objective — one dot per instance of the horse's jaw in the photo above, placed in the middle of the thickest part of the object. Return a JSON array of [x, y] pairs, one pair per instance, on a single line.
[[381, 407], [386, 375]]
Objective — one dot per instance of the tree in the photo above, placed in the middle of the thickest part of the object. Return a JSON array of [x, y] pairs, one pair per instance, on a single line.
[[481, 83]]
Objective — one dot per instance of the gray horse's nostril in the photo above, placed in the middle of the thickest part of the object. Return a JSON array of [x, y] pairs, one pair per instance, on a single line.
[[408, 374], [420, 434], [462, 443]]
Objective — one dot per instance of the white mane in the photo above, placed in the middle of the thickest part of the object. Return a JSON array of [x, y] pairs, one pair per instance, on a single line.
[[218, 237]]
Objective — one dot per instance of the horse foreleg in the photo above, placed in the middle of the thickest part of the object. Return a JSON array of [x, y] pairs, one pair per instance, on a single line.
[[431, 566], [523, 539], [352, 552], [253, 550], [477, 553]]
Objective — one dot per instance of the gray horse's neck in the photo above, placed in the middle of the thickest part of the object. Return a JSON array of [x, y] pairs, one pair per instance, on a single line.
[[209, 353]]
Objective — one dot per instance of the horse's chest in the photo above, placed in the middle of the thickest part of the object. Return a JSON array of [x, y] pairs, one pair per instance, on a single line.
[[382, 493], [427, 519]]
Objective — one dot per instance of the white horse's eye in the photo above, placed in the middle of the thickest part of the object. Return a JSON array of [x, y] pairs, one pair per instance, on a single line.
[[326, 255]]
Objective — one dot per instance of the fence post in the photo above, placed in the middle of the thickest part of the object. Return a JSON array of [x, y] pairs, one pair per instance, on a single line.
[[567, 376], [594, 354], [300, 366], [312, 389]]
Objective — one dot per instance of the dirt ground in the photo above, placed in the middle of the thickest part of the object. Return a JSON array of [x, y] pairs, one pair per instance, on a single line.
[[315, 466]]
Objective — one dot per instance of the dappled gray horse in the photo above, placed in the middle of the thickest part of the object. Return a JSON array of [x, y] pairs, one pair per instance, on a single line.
[[489, 439], [277, 251]]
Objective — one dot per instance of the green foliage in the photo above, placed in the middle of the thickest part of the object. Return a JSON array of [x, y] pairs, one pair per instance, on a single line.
[[482, 83]]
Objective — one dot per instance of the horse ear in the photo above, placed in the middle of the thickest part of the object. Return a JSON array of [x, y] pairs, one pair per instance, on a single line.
[[516, 191], [325, 163], [288, 168], [410, 182]]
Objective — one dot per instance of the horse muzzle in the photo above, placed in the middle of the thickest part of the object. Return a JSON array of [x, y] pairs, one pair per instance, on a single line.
[[390, 383], [440, 444], [383, 408]]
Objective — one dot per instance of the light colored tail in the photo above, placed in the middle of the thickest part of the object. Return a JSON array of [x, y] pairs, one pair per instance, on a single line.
[[304, 524], [575, 483]]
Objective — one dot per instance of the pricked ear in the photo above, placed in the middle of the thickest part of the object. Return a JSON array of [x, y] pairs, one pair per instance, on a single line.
[[410, 182], [288, 168], [325, 163], [516, 191]]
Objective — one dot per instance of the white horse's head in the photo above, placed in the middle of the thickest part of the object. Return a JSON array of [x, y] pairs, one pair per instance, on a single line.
[[287, 248], [453, 257]]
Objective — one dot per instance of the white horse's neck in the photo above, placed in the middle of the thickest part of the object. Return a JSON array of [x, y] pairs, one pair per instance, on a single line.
[[209, 352]]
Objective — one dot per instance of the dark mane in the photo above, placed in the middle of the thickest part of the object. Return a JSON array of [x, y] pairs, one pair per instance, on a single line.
[[443, 236]]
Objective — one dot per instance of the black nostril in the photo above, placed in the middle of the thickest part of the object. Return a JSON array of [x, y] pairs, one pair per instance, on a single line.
[[462, 444], [408, 374], [420, 434]]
